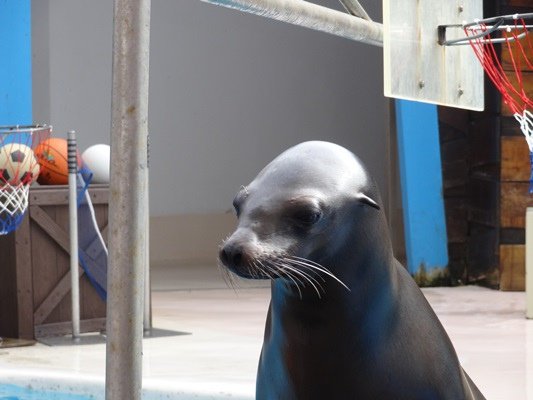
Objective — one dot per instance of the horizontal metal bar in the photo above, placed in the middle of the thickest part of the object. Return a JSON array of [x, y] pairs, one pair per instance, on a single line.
[[313, 16], [356, 9]]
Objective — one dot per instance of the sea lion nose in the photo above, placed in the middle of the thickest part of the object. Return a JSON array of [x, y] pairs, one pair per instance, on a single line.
[[231, 255]]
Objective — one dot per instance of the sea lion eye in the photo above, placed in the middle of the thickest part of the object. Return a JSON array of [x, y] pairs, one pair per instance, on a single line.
[[237, 207], [239, 199], [308, 216]]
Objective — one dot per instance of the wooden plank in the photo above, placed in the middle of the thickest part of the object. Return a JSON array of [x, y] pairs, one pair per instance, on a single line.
[[48, 195], [512, 267], [44, 258], [514, 199], [510, 127], [454, 150], [58, 195], [9, 316], [456, 220], [483, 201], [528, 88], [64, 328], [24, 280], [512, 236], [483, 144], [454, 122], [507, 63], [519, 3], [56, 296], [64, 308], [482, 254], [59, 291], [50, 227], [99, 194], [515, 164]]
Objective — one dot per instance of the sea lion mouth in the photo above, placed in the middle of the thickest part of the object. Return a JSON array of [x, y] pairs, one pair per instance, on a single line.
[[299, 273]]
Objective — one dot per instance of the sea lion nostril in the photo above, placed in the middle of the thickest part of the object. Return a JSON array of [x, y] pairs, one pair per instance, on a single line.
[[237, 258], [231, 255], [223, 256]]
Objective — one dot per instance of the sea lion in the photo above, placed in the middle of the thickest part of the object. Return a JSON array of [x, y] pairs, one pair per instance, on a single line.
[[346, 320]]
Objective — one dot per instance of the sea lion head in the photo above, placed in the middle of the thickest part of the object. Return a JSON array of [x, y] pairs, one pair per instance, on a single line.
[[301, 215]]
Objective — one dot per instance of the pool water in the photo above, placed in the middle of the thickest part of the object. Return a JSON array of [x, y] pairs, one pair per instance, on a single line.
[[14, 392]]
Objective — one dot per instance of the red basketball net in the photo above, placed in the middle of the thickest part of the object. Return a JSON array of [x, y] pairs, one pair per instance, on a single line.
[[517, 42]]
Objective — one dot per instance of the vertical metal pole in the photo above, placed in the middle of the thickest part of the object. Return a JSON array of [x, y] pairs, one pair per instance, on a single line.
[[127, 203], [147, 286], [73, 228], [529, 263]]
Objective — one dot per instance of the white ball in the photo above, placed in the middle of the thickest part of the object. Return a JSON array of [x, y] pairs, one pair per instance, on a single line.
[[98, 159]]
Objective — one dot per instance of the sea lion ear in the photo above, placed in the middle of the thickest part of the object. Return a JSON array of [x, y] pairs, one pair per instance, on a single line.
[[363, 198]]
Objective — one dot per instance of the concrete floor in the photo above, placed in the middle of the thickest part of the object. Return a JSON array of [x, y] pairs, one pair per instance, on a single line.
[[217, 358]]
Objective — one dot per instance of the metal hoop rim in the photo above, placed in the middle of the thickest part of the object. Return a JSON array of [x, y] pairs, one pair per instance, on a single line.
[[498, 25], [7, 129]]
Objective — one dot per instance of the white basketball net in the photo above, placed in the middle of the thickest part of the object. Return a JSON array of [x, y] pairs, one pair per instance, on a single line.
[[14, 199], [526, 126]]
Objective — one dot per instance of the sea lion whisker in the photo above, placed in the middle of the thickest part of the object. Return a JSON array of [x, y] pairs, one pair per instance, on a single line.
[[286, 270], [269, 268], [227, 277], [295, 281], [287, 274], [307, 277], [306, 274], [307, 267], [262, 268], [313, 265], [251, 272]]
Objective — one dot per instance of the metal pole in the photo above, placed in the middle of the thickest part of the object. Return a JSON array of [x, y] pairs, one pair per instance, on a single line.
[[73, 228], [147, 287], [127, 211], [355, 9], [313, 16]]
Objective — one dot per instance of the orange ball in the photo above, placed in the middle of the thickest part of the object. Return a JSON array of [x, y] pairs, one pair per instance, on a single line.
[[53, 159]]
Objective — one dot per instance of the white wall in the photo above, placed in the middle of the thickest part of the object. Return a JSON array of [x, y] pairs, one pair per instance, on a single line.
[[228, 92]]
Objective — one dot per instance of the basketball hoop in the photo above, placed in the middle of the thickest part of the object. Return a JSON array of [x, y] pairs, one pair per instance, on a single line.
[[513, 34], [18, 170]]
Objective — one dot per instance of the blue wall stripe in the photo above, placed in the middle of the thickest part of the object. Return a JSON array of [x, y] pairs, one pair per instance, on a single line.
[[421, 182], [15, 62]]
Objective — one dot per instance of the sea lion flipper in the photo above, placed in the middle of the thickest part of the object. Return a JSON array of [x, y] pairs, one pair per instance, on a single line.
[[472, 389]]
